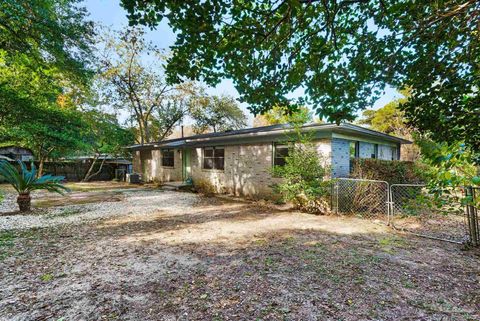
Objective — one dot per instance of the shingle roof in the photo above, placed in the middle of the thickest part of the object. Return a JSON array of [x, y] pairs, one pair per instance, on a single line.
[[273, 129]]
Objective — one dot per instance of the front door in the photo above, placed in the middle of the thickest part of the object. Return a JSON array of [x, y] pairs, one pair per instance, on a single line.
[[186, 167]]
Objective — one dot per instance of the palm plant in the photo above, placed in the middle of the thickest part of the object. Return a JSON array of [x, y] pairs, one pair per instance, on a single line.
[[26, 181]]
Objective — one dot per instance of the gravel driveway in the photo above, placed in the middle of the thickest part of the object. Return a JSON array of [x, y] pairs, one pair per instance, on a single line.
[[166, 255], [133, 202]]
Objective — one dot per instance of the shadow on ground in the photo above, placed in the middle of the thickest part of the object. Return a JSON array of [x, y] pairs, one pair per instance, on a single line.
[[234, 261]]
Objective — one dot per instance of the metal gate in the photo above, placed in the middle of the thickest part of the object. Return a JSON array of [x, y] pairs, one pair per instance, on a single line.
[[417, 211], [471, 212], [361, 197]]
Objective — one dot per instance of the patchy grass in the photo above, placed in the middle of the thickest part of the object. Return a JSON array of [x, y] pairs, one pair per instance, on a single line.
[[46, 277], [66, 213], [76, 198], [6, 243], [99, 186], [234, 261]]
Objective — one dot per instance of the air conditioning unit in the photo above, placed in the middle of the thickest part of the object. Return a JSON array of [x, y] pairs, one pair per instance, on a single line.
[[133, 178]]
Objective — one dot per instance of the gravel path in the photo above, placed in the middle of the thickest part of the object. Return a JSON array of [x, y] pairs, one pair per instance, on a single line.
[[136, 202]]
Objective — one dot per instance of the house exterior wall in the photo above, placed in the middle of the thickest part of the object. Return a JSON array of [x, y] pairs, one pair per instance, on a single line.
[[247, 169], [340, 157], [385, 152], [162, 173], [149, 164], [341, 154], [136, 162]]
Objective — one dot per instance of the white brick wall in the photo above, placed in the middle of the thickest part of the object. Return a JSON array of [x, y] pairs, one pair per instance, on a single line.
[[151, 166], [166, 174], [247, 168]]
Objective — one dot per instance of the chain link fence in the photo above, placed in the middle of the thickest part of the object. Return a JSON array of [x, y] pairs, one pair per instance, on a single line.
[[361, 197], [415, 210], [408, 207]]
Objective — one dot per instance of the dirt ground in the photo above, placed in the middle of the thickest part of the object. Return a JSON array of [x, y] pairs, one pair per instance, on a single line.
[[229, 260]]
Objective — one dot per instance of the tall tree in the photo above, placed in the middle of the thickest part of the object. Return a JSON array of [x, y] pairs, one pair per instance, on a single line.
[[343, 53], [133, 75], [217, 113], [38, 114], [44, 62]]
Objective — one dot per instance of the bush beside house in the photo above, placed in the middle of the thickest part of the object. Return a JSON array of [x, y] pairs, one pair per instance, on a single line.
[[304, 182], [393, 172]]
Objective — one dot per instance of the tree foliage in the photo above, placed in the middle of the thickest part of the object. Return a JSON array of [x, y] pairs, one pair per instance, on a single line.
[[132, 79], [104, 137], [46, 36], [282, 115], [342, 53], [47, 130], [217, 113], [451, 166], [390, 119], [44, 67]]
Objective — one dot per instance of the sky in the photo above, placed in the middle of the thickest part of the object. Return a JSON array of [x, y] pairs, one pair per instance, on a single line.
[[111, 14]]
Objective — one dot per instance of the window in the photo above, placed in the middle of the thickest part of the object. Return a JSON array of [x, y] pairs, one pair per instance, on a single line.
[[168, 158], [375, 151], [280, 153], [214, 158], [394, 153], [354, 149]]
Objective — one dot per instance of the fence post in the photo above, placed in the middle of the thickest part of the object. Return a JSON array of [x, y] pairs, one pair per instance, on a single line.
[[472, 217], [390, 204]]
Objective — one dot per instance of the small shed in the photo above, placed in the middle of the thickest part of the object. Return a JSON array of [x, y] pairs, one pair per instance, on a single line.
[[14, 153]]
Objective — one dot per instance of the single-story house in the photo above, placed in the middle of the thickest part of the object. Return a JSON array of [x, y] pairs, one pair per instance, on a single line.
[[240, 161]]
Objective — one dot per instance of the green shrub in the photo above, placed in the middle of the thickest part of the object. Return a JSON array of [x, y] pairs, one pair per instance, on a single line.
[[303, 179], [393, 172]]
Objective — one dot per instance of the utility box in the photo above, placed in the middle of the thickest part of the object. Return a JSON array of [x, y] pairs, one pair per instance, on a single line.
[[133, 178]]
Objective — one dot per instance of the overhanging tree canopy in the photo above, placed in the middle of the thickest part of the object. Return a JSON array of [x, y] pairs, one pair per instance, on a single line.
[[51, 34], [343, 53]]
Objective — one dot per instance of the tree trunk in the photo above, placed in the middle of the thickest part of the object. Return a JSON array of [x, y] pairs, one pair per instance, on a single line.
[[146, 131], [87, 178], [24, 202], [90, 169], [40, 167]]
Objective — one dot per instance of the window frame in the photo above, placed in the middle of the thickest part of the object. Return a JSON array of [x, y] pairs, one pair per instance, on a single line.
[[162, 151], [375, 152], [356, 149], [394, 151], [275, 148], [214, 158]]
